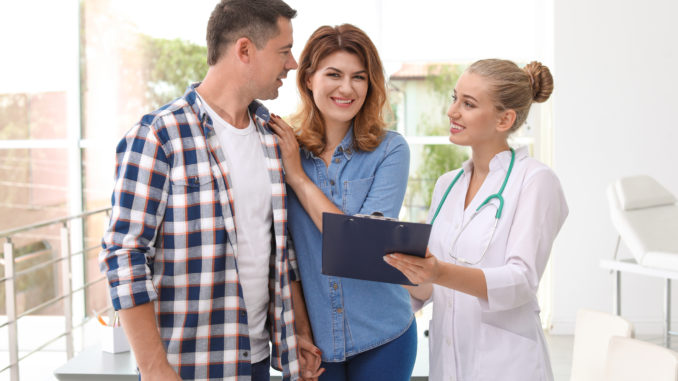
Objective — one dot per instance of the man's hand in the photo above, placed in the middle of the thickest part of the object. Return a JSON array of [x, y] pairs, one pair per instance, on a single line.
[[166, 373], [309, 359], [142, 334]]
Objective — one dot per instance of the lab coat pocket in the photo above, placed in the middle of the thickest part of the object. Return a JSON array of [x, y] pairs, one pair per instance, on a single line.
[[506, 345]]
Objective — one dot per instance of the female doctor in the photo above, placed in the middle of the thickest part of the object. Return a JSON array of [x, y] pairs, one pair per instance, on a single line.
[[494, 221]]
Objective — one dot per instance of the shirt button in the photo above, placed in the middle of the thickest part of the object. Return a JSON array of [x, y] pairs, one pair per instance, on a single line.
[[448, 341], [340, 310], [337, 160], [334, 286], [331, 182], [245, 354], [243, 313]]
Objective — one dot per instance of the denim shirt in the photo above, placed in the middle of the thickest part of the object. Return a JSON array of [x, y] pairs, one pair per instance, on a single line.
[[350, 316]]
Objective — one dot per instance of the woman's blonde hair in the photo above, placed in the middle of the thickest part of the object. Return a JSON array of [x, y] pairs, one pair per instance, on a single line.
[[368, 124], [513, 88]]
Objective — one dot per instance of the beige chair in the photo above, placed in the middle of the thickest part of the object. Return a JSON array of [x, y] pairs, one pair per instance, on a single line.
[[633, 360], [592, 334], [645, 214]]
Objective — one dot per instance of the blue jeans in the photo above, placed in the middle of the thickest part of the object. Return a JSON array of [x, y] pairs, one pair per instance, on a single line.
[[392, 361], [261, 371]]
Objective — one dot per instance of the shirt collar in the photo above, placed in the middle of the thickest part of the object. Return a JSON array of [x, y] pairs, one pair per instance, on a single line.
[[500, 161], [345, 147], [259, 112]]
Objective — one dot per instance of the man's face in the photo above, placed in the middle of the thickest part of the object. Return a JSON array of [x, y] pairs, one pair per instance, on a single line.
[[271, 63]]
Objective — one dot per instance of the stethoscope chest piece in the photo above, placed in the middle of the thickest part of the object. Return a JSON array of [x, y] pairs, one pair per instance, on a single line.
[[486, 203]]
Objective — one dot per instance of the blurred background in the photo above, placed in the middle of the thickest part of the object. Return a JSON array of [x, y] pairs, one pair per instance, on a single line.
[[76, 74]]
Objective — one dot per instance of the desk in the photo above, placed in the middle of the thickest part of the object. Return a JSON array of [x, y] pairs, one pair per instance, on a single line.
[[95, 364], [617, 266]]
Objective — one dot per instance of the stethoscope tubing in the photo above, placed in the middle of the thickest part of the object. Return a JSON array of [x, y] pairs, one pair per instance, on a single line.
[[486, 202]]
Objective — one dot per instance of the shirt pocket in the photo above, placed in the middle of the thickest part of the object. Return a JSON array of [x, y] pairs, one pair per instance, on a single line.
[[354, 194], [190, 195]]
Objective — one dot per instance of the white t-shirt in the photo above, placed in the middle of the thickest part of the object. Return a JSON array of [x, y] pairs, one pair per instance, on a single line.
[[251, 187]]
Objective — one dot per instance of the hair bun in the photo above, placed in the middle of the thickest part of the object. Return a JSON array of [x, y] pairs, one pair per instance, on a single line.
[[541, 81]]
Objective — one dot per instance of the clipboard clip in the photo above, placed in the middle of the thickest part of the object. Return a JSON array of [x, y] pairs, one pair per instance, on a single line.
[[377, 216]]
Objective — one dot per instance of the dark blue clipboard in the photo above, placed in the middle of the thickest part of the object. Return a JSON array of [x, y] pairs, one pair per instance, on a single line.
[[354, 246]]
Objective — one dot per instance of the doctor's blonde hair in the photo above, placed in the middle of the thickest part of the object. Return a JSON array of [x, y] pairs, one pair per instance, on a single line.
[[513, 88]]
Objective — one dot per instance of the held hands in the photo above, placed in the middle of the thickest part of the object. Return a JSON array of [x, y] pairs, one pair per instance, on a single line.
[[417, 270], [309, 359], [289, 147]]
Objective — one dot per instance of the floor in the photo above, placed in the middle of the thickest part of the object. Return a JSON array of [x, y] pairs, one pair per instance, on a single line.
[[37, 366], [560, 349], [40, 365]]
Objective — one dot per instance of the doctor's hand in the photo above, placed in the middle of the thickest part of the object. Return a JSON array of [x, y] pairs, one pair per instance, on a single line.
[[289, 147], [417, 270], [309, 359]]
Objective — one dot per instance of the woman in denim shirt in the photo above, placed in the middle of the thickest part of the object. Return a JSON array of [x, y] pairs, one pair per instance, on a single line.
[[348, 163]]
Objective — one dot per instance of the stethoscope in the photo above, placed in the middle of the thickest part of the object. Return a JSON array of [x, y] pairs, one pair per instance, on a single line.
[[497, 195]]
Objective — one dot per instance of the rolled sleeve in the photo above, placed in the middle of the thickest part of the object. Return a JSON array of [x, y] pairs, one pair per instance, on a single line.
[[138, 204], [418, 304], [540, 213], [390, 180]]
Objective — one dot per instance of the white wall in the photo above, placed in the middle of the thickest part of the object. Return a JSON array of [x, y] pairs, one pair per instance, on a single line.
[[615, 115]]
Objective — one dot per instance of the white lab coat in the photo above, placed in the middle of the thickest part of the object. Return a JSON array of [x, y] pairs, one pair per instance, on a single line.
[[501, 338]]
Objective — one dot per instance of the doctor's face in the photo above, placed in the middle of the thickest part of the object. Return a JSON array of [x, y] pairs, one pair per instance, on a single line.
[[473, 115]]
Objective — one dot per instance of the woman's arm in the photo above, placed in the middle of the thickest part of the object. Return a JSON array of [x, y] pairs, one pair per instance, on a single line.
[[421, 292], [540, 214], [310, 196], [385, 195]]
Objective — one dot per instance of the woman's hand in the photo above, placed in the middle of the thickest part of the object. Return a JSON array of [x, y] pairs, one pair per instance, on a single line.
[[417, 270], [289, 147], [309, 359]]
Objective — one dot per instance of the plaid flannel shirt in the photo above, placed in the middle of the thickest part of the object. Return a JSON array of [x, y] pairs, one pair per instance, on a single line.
[[172, 240]]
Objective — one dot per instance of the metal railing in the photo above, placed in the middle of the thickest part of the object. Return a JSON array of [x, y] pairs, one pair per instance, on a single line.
[[65, 259]]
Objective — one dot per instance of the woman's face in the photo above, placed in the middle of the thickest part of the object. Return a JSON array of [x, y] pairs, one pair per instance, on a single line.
[[339, 87], [473, 116]]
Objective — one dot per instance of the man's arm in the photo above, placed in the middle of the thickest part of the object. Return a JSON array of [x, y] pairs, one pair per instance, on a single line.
[[142, 333], [309, 354], [139, 199]]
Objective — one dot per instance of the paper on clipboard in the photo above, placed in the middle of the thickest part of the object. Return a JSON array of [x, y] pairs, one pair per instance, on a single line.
[[354, 246]]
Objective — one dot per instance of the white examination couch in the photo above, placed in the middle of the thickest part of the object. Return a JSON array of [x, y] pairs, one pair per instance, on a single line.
[[645, 215]]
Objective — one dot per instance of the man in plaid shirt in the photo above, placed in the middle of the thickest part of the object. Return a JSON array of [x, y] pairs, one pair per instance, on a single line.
[[196, 251]]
